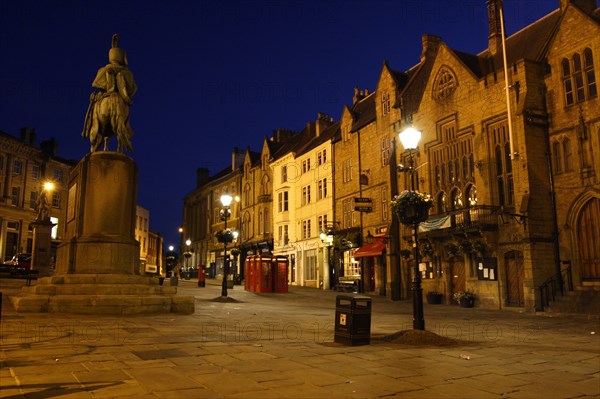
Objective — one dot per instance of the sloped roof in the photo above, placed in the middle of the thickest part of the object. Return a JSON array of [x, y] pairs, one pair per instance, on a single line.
[[254, 157], [327, 134], [530, 42], [363, 112]]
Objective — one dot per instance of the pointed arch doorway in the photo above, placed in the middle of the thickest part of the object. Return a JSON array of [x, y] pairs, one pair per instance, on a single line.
[[588, 239]]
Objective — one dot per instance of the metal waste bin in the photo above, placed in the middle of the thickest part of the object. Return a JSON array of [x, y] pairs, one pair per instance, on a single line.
[[353, 320]]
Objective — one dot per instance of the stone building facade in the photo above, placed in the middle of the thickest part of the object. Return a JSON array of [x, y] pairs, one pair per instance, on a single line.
[[510, 156], [24, 168]]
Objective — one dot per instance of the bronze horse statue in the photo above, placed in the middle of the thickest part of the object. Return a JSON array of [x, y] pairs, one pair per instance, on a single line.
[[108, 112]]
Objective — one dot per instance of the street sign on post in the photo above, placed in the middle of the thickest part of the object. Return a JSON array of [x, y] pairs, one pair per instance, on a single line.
[[362, 204]]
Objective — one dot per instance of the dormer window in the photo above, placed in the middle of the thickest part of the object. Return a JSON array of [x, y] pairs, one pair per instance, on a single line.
[[445, 84]]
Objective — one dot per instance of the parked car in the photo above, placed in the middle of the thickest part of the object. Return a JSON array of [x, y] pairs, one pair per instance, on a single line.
[[20, 262]]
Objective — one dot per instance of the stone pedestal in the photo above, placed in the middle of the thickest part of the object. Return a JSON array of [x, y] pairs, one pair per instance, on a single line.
[[41, 258], [99, 231], [97, 265]]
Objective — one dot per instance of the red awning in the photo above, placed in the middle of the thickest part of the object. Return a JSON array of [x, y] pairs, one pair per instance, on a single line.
[[374, 249]]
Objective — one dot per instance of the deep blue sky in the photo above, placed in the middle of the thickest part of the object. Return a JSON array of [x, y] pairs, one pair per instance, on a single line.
[[215, 74]]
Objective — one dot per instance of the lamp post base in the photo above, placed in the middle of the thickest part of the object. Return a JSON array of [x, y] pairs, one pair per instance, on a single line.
[[418, 318]]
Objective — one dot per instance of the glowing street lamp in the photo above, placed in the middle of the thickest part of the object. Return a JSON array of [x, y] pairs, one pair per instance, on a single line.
[[410, 138], [225, 201]]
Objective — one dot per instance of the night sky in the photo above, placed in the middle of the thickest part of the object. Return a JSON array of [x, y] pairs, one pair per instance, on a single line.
[[215, 74]]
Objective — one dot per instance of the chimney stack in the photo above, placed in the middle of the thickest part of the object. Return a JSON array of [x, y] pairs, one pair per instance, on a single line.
[[28, 135], [237, 158], [201, 176], [495, 36], [588, 6], [430, 44], [323, 122]]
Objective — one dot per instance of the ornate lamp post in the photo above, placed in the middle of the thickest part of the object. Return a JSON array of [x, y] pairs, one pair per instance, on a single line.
[[410, 138], [327, 240], [188, 255], [225, 201], [42, 232], [235, 252]]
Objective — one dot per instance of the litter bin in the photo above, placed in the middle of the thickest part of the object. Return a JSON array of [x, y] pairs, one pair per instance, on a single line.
[[353, 320]]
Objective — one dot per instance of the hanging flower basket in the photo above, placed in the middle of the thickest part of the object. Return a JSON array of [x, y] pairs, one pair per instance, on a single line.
[[412, 207], [466, 247], [426, 249], [224, 236], [481, 248], [452, 249]]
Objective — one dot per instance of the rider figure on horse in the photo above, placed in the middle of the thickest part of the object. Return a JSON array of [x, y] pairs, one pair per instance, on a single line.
[[108, 112]]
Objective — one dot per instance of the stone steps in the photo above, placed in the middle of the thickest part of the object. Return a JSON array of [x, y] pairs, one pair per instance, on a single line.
[[583, 300], [99, 289], [101, 294], [103, 304]]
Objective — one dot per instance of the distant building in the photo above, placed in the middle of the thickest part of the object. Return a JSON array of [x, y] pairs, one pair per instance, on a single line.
[[141, 233], [154, 257], [24, 168]]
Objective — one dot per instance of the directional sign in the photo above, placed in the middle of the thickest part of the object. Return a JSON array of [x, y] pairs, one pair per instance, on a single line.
[[362, 204]]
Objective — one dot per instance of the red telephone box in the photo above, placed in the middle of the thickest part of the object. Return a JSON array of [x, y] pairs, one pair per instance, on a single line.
[[265, 274], [280, 269], [249, 273]]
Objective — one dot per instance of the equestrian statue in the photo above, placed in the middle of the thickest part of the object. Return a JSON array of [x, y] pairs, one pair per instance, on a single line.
[[108, 112]]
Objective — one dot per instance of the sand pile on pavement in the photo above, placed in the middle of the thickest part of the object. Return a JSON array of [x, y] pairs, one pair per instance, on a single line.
[[416, 338]]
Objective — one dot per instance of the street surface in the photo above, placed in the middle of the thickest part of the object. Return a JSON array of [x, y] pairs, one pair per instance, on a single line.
[[282, 346]]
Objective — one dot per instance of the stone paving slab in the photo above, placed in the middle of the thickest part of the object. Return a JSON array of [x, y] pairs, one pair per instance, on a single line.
[[281, 346]]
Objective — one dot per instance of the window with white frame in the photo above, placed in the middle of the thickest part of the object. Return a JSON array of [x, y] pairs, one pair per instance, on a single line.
[[384, 204], [563, 156], [347, 213], [283, 235], [322, 223], [35, 172], [346, 133], [282, 201], [306, 165], [322, 157], [247, 196], [284, 174], [385, 103], [266, 221], [58, 175], [310, 264], [579, 80], [347, 170], [15, 195], [17, 167], [33, 198], [306, 195], [322, 189], [306, 229], [351, 266], [385, 151]]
